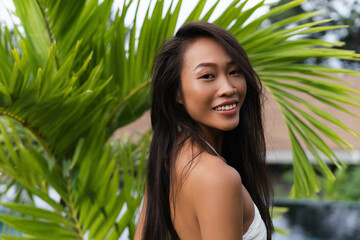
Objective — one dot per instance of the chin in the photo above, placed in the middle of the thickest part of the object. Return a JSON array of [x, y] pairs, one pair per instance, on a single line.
[[228, 127]]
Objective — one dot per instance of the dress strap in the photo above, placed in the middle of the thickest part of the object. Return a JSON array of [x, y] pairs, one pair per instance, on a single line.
[[211, 147], [207, 143]]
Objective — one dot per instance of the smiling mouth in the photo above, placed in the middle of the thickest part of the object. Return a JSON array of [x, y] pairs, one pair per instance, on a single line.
[[225, 107]]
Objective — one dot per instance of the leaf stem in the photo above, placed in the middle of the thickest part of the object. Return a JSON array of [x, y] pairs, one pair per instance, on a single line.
[[127, 97], [72, 210], [37, 135], [52, 40]]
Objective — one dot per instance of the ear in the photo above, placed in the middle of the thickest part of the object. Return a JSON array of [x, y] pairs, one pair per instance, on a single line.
[[179, 98]]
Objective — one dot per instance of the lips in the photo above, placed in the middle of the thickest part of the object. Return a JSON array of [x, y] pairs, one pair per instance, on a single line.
[[227, 105], [228, 108]]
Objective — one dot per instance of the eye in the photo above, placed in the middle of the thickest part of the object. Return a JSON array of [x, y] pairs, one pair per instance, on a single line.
[[208, 76], [236, 72]]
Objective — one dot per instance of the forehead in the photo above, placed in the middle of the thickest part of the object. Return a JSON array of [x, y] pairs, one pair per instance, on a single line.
[[205, 50]]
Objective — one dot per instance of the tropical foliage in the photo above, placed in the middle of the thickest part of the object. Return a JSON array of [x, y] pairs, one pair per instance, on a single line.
[[345, 187], [340, 15], [73, 71]]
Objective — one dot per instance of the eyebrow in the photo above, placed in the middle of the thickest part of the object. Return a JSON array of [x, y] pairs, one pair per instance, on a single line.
[[210, 64]]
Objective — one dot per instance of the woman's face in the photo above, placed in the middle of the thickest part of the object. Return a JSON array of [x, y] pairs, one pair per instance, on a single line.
[[213, 87]]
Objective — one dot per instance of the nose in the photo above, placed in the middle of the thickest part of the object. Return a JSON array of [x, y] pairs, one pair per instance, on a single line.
[[226, 88]]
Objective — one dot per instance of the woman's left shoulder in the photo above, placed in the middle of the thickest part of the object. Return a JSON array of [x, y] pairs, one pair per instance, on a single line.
[[217, 198], [213, 172]]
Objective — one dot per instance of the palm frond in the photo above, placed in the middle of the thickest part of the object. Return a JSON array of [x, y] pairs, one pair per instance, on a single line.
[[91, 187]]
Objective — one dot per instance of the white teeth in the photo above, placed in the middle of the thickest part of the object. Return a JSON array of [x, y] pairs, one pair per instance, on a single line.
[[226, 107]]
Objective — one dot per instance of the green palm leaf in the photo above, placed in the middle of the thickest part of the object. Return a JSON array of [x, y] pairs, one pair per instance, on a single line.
[[89, 193]]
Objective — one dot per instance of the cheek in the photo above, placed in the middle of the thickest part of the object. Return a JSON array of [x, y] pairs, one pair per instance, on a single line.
[[242, 85], [242, 89], [197, 99]]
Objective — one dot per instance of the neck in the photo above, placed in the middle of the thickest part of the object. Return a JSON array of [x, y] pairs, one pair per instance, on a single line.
[[214, 137]]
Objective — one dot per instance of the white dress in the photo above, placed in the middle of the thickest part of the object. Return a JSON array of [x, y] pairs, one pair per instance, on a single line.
[[257, 229]]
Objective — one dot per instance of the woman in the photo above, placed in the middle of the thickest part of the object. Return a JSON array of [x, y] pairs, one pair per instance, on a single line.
[[206, 171]]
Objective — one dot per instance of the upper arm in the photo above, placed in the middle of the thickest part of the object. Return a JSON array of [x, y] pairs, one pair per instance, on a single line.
[[140, 225], [218, 203]]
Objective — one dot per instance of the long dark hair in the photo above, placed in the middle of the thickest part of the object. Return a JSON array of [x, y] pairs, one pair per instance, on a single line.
[[243, 147]]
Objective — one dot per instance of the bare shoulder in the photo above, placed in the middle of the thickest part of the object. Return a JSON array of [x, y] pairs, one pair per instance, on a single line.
[[217, 200], [208, 175], [213, 172], [204, 167]]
